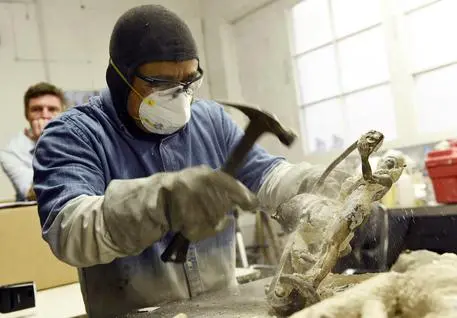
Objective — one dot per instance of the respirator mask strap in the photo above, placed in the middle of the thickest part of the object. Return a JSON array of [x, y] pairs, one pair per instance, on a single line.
[[118, 71]]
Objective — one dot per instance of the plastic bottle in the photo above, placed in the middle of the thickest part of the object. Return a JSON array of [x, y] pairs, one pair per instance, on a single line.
[[390, 198], [405, 191]]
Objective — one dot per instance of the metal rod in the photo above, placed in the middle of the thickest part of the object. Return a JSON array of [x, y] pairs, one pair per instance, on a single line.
[[242, 250]]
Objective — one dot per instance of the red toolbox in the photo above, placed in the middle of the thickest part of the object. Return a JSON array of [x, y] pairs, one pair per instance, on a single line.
[[442, 169]]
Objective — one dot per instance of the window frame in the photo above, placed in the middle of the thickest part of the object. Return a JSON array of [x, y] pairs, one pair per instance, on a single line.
[[402, 78]]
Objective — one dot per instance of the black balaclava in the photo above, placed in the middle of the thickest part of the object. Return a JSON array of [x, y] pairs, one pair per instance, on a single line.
[[144, 34]]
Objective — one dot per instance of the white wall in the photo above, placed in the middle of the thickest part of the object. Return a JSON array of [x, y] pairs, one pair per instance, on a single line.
[[248, 56], [72, 36]]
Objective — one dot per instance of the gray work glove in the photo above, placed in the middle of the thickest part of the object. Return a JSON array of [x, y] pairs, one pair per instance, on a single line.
[[193, 201], [200, 199], [332, 185], [287, 180]]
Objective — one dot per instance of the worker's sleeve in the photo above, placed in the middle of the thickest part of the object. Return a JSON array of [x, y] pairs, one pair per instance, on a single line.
[[282, 183], [19, 174], [79, 216], [287, 180], [78, 234]]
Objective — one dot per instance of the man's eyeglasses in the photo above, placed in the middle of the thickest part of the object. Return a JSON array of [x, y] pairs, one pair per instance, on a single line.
[[164, 84]]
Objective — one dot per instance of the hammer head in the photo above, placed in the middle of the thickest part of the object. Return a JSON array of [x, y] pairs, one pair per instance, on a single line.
[[264, 121]]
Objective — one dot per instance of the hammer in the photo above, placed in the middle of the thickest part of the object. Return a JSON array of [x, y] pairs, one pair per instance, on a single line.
[[260, 122]]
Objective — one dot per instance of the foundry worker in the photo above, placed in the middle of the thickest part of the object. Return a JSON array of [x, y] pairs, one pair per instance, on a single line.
[[117, 177]]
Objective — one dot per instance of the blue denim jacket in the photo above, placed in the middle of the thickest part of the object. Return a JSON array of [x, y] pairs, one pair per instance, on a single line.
[[85, 148]]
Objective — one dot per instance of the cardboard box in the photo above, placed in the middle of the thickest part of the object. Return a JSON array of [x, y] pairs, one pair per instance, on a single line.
[[25, 256]]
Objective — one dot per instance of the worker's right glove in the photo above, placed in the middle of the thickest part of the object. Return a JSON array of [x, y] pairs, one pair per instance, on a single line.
[[200, 199], [193, 201]]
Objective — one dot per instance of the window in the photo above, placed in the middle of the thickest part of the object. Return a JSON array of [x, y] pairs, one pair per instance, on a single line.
[[436, 99], [324, 124], [312, 21], [318, 76], [375, 64], [433, 52], [347, 20], [431, 31], [342, 71], [371, 109], [363, 60]]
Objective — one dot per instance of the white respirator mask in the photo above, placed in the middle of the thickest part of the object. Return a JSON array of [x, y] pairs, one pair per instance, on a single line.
[[165, 112], [167, 109]]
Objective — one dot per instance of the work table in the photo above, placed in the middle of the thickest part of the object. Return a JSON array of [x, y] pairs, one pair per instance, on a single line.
[[426, 211], [245, 301], [249, 300], [425, 227]]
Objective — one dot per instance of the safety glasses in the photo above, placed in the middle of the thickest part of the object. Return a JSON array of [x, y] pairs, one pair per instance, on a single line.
[[164, 84]]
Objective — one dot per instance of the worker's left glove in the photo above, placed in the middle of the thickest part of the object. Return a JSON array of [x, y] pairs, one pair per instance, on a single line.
[[287, 180]]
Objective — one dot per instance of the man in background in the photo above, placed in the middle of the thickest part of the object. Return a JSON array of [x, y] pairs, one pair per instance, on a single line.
[[42, 102]]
